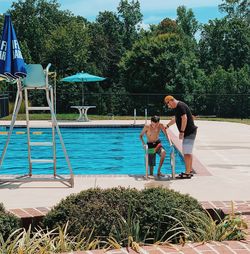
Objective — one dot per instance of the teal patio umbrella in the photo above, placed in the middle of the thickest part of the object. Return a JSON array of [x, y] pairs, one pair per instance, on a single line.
[[82, 77]]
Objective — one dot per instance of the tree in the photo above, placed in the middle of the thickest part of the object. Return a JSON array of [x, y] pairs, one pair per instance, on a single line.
[[230, 89], [43, 17], [67, 47], [224, 42], [106, 46], [130, 15], [159, 64], [185, 25], [236, 9], [166, 26], [186, 21]]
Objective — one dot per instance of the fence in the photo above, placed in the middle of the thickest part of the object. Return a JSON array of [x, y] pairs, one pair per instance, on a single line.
[[219, 105], [4, 105], [223, 105]]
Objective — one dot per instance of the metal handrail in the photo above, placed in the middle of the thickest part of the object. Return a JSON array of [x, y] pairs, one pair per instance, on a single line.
[[146, 160], [172, 161]]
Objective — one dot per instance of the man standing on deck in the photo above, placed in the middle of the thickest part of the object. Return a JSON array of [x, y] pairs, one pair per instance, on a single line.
[[152, 133], [187, 130]]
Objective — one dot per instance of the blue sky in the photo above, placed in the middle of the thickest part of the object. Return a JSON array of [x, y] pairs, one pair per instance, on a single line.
[[153, 10]]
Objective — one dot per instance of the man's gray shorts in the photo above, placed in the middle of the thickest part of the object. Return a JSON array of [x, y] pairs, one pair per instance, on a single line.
[[188, 143]]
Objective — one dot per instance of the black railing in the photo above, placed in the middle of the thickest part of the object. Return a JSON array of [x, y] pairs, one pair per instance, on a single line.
[[218, 105], [4, 105], [224, 105]]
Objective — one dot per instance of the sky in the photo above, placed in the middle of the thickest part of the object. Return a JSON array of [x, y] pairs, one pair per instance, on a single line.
[[153, 10]]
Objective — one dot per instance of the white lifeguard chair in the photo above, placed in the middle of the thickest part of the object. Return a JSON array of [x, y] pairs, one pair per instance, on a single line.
[[37, 78]]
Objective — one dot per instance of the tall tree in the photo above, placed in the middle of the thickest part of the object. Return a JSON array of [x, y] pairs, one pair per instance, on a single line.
[[106, 46], [67, 46], [224, 42], [232, 88], [130, 14], [167, 25], [159, 64], [187, 21], [236, 9], [34, 20]]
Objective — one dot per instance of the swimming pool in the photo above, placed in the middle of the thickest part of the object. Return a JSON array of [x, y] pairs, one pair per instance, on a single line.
[[115, 151]]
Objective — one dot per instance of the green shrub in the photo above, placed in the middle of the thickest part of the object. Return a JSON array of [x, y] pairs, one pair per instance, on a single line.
[[8, 222], [2, 210], [102, 210]]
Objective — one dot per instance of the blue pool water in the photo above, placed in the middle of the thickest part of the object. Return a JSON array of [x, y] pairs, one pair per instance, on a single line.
[[91, 151]]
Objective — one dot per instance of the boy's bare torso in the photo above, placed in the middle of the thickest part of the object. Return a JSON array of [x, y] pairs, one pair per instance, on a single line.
[[152, 134]]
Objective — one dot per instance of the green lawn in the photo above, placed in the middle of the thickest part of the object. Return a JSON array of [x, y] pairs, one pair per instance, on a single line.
[[70, 117], [233, 120], [105, 117]]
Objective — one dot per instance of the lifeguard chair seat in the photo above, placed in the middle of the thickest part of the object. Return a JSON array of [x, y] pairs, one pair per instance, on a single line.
[[36, 77]]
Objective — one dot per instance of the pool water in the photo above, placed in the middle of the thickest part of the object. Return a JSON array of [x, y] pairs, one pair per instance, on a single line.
[[105, 151]]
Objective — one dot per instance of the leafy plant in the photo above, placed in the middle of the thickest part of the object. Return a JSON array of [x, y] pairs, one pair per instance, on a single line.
[[43, 242], [205, 229], [8, 222], [127, 232], [105, 211]]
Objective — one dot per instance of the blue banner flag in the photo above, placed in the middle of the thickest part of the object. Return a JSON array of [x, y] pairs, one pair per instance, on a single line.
[[12, 65]]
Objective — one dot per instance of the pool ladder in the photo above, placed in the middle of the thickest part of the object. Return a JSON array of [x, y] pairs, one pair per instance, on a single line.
[[172, 161]]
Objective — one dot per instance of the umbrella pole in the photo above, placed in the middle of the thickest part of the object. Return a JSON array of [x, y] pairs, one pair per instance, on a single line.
[[82, 95]]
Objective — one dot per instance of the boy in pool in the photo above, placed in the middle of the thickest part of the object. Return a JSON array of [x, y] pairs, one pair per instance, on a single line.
[[152, 133]]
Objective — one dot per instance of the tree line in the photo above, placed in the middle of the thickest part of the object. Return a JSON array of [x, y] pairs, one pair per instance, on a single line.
[[206, 65]]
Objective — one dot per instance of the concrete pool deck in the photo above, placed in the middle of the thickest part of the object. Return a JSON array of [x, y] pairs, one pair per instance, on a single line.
[[222, 169], [222, 165]]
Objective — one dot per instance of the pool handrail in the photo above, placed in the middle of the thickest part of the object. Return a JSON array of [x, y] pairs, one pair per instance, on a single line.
[[172, 160], [146, 160]]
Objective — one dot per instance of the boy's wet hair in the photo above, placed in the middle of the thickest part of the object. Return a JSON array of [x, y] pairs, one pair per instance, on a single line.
[[155, 119]]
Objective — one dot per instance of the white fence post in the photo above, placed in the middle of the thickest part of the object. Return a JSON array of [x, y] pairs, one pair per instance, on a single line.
[[134, 115]]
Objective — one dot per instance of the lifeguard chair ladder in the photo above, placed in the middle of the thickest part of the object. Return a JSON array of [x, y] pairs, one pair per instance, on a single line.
[[37, 79]]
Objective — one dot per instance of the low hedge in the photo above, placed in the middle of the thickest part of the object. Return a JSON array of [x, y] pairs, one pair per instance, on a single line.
[[101, 210], [8, 222]]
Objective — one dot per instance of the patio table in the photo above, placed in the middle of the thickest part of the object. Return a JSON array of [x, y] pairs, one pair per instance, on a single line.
[[83, 112]]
